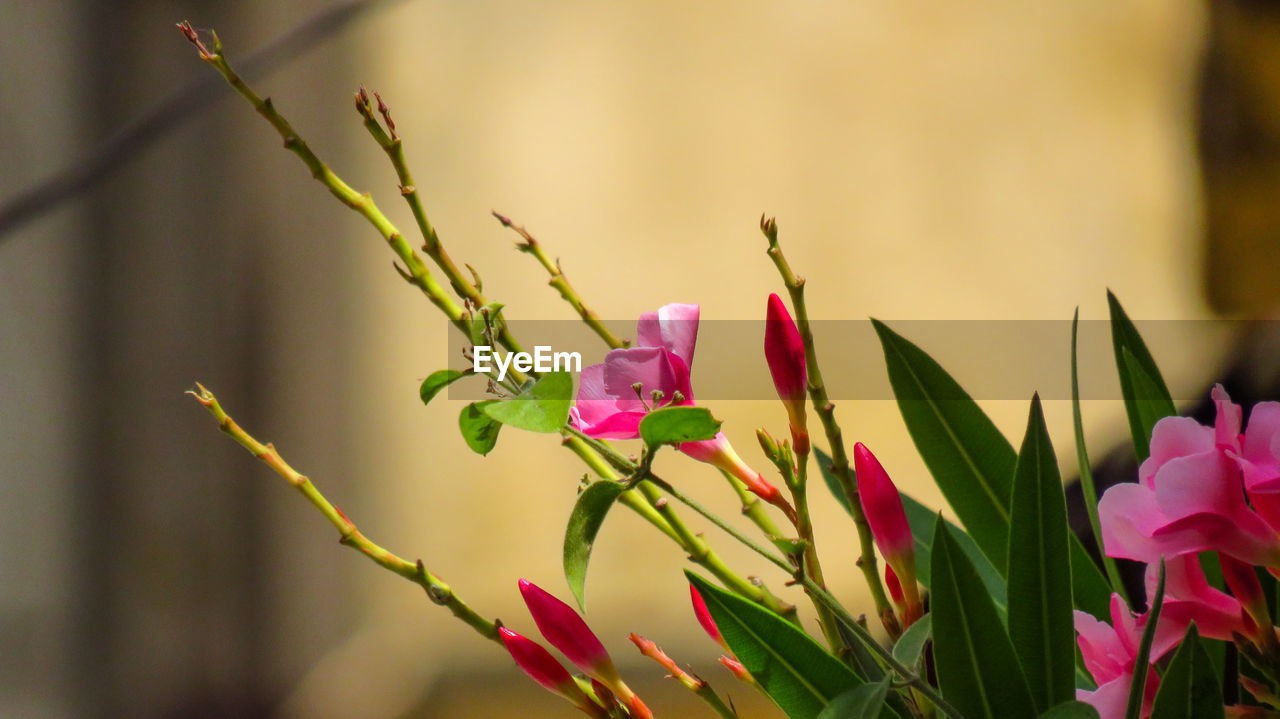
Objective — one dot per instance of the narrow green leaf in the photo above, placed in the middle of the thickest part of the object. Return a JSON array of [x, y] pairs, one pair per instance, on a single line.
[[1145, 394], [543, 407], [584, 524], [437, 381], [910, 646], [1142, 664], [1085, 468], [861, 702], [673, 425], [968, 457], [1189, 688], [978, 671], [1040, 620], [1071, 710], [479, 430], [793, 669]]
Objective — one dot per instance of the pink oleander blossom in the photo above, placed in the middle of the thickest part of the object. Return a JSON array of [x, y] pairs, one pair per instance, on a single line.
[[615, 395], [1110, 654], [1190, 494]]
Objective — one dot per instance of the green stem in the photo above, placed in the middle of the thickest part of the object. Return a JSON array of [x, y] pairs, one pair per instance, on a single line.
[[415, 271], [437, 590], [826, 412], [561, 283], [649, 504], [813, 567], [908, 676]]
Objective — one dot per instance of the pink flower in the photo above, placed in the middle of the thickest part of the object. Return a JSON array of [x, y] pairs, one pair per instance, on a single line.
[[1110, 654], [784, 351], [1190, 495], [615, 395], [1188, 597]]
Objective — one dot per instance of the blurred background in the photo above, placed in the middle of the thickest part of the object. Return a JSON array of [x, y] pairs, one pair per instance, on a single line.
[[925, 160]]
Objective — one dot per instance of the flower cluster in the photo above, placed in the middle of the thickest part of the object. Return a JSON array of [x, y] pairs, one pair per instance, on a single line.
[[1203, 491]]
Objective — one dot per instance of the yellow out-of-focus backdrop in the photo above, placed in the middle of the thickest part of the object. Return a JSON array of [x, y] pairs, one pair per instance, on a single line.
[[925, 160]]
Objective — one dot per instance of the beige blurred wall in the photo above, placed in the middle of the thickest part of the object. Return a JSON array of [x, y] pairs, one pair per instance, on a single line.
[[925, 160]]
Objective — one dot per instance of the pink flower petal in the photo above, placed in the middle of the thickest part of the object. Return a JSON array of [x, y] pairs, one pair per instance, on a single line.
[[673, 327]]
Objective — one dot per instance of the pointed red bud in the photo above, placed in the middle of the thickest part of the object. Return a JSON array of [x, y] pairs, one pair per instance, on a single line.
[[738, 670], [565, 630], [1245, 587], [784, 351], [704, 617], [883, 506], [543, 668], [895, 587], [719, 453]]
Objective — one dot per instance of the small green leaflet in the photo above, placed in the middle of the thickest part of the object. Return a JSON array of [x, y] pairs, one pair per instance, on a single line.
[[910, 646], [437, 381], [479, 430], [673, 425], [584, 524], [1189, 688], [544, 407]]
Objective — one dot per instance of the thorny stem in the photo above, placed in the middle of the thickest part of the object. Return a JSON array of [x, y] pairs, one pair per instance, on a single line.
[[909, 677], [826, 412], [813, 568], [415, 271], [393, 146], [646, 501], [437, 591], [561, 283]]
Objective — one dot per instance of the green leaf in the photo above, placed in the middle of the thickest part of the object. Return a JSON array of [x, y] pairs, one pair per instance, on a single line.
[[478, 429], [970, 460], [1142, 664], [794, 670], [1085, 468], [1071, 710], [485, 323], [584, 523], [978, 671], [1189, 688], [910, 646], [673, 425], [544, 407], [1146, 397], [437, 381], [1040, 620], [861, 702]]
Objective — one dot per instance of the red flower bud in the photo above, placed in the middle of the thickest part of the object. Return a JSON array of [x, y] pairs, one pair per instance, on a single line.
[[1245, 587], [566, 631], [541, 666], [704, 617], [738, 670], [895, 587], [784, 351], [883, 507]]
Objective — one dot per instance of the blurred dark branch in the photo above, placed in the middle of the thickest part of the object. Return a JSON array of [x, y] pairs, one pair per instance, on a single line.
[[135, 137]]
